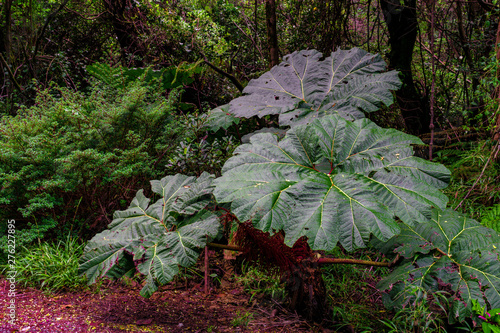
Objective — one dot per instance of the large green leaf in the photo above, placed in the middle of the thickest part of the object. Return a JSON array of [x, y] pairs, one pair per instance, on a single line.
[[304, 87], [155, 239], [455, 254], [333, 181], [221, 118]]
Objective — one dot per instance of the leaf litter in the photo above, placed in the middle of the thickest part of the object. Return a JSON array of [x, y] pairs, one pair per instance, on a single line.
[[115, 307]]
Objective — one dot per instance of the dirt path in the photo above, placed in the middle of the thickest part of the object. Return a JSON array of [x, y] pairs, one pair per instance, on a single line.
[[119, 308]]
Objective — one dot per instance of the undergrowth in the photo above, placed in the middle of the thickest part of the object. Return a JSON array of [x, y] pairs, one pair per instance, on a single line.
[[352, 294], [49, 266], [426, 315], [257, 282], [475, 182]]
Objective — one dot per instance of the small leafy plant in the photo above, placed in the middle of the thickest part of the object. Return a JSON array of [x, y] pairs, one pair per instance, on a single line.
[[242, 319], [491, 318], [418, 317], [155, 239], [491, 218], [256, 281]]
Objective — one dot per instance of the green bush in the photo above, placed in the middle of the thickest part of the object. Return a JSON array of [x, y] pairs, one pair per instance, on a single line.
[[73, 158], [50, 266]]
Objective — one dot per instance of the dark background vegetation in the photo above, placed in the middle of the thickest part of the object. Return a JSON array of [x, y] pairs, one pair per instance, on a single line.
[[75, 148]]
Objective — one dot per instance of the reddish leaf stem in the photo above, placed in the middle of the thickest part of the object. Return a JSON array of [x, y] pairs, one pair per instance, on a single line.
[[206, 270], [328, 261], [321, 261], [225, 247]]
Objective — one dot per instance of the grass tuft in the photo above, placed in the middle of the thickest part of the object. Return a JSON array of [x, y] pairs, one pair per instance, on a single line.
[[49, 267]]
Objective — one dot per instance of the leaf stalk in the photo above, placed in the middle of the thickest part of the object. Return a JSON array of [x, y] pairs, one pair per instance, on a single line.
[[321, 261], [329, 261]]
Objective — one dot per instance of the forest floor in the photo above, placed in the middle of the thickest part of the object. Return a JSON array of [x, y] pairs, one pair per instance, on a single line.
[[180, 306]]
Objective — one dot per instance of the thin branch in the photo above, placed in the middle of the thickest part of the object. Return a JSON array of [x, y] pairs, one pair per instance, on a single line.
[[11, 74], [222, 72], [87, 17], [422, 46], [42, 31], [250, 37]]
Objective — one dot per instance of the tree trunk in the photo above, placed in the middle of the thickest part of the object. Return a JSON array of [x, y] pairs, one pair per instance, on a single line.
[[120, 14], [7, 37], [272, 36], [401, 20]]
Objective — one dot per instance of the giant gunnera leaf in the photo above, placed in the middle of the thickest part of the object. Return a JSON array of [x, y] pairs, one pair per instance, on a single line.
[[155, 239], [305, 86], [333, 181], [450, 253]]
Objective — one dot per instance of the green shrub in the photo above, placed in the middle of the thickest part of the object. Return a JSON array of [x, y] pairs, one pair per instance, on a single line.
[[50, 266], [73, 158]]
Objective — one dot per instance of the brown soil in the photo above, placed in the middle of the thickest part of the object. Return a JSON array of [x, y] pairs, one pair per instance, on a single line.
[[178, 307]]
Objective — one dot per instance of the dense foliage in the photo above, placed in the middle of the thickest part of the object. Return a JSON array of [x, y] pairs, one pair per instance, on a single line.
[[73, 157], [332, 181], [329, 181], [101, 96]]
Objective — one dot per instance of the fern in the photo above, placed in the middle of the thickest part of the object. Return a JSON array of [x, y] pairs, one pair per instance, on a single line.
[[170, 77], [112, 76]]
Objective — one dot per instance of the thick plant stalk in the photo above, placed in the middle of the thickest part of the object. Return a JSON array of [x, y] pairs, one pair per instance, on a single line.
[[206, 270], [327, 261], [321, 261], [231, 78], [225, 247]]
